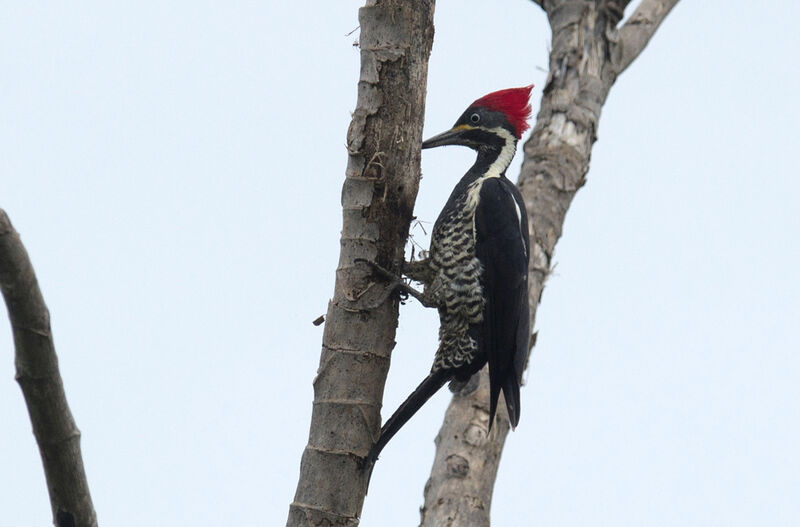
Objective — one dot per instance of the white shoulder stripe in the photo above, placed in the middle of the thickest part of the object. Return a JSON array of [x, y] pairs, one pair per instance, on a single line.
[[520, 219], [518, 210]]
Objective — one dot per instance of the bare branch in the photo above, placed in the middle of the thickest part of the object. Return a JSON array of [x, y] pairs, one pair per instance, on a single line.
[[615, 9], [640, 27], [37, 373], [622, 5], [382, 179], [460, 491], [584, 58]]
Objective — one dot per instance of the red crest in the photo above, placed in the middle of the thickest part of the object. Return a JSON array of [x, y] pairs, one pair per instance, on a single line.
[[514, 103]]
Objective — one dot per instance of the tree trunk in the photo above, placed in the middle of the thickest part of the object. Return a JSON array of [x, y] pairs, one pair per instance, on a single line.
[[37, 374], [382, 179], [588, 52]]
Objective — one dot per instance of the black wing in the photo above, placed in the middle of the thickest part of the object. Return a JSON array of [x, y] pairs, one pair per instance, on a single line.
[[501, 244]]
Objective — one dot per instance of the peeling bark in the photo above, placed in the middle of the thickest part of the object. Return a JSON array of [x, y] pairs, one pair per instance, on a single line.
[[588, 52], [37, 374], [382, 179]]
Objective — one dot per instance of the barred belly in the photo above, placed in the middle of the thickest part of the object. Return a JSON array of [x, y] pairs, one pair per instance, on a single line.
[[456, 287]]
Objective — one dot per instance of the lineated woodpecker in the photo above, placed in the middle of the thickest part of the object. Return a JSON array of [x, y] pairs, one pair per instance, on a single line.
[[476, 273]]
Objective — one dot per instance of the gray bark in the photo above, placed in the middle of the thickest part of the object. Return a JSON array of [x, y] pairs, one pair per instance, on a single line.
[[589, 51], [37, 374], [382, 179]]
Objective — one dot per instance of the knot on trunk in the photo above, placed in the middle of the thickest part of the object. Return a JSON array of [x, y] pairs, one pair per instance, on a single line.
[[457, 466]]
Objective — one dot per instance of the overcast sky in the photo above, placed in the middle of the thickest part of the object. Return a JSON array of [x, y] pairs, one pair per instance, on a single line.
[[175, 170]]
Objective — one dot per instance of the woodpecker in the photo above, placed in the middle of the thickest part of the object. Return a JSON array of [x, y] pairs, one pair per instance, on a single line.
[[476, 273]]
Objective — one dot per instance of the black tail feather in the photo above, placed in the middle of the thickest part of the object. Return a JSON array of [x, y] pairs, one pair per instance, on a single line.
[[511, 395], [414, 402], [494, 395], [507, 382]]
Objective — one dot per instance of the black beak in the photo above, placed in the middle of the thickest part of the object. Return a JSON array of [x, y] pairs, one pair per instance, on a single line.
[[454, 136]]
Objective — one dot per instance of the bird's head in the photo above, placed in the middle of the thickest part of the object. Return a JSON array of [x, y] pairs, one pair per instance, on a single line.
[[490, 121]]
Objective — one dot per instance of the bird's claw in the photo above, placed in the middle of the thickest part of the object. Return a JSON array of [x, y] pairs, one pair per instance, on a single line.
[[396, 284]]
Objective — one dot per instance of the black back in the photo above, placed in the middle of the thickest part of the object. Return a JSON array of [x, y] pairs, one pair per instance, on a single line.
[[502, 246]]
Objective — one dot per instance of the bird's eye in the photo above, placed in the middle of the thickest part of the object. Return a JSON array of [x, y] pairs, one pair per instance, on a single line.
[[475, 118]]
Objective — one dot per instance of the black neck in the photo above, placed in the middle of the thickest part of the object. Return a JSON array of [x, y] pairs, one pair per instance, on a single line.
[[494, 153]]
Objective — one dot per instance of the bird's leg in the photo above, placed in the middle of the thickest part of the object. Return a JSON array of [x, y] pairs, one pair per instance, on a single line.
[[419, 271], [422, 296], [396, 283]]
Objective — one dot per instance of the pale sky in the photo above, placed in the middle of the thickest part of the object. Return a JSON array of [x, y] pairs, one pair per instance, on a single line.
[[175, 170]]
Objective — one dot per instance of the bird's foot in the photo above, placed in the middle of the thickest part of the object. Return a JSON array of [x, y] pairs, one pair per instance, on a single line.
[[396, 283], [418, 270]]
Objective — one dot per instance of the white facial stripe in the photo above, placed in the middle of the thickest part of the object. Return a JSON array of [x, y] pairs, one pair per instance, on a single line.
[[506, 154]]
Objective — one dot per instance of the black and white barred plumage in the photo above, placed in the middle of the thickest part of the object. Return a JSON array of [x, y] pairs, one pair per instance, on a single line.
[[476, 274]]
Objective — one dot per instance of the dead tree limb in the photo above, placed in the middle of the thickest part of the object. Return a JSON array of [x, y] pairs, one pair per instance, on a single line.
[[589, 51], [37, 374], [382, 179]]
